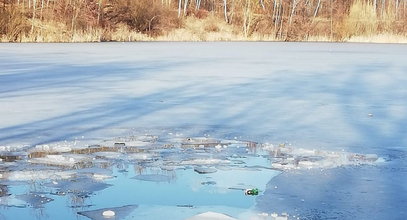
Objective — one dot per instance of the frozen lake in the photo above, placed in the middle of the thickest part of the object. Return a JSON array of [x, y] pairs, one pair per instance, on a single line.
[[319, 129]]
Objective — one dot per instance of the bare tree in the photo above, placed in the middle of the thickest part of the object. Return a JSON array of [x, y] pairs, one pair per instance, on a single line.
[[185, 7], [225, 11], [179, 7]]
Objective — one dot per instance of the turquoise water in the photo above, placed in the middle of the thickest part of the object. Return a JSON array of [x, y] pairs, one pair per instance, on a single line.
[[157, 193]]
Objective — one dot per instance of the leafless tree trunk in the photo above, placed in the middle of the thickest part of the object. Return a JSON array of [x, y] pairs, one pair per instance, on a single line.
[[179, 7], [197, 4], [99, 11], [331, 35], [225, 10], [33, 17], [274, 10], [262, 5], [397, 4], [375, 5], [383, 7], [281, 21], [317, 8], [294, 5], [185, 7], [246, 18], [42, 7]]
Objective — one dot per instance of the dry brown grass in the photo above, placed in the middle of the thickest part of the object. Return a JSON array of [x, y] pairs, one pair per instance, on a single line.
[[124, 33], [12, 24], [362, 20], [151, 20], [211, 28], [379, 38]]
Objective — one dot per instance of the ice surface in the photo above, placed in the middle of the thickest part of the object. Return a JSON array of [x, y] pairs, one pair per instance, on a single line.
[[181, 105], [67, 95]]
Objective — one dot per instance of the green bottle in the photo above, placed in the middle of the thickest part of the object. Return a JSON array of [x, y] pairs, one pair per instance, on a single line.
[[252, 192]]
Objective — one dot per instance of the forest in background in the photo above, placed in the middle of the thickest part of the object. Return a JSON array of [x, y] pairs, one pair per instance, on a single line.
[[202, 20]]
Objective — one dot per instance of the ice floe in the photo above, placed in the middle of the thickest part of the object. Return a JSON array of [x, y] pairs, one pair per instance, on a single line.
[[288, 158], [116, 213], [33, 175], [205, 170], [204, 161], [61, 160]]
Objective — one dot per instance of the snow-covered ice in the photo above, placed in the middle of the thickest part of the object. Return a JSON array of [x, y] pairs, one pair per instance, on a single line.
[[101, 114]]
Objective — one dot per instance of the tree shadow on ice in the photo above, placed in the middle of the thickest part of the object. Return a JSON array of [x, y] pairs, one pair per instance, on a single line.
[[374, 109]]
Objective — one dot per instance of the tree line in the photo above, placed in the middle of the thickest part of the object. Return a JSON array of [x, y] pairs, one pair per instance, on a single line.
[[282, 19]]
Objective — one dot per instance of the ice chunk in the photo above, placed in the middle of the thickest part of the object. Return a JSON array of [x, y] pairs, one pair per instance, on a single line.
[[200, 142], [289, 158], [140, 156], [116, 213], [211, 216], [100, 177], [79, 185], [95, 170], [154, 177], [204, 170], [168, 167], [60, 160], [109, 155], [31, 175], [204, 161], [12, 201], [34, 200]]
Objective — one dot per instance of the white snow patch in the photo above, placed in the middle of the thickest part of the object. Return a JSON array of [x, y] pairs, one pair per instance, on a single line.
[[55, 147], [211, 216], [204, 161], [60, 160], [101, 177], [31, 175]]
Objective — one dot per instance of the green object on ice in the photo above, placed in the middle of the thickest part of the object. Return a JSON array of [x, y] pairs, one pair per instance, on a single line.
[[252, 192], [255, 191]]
